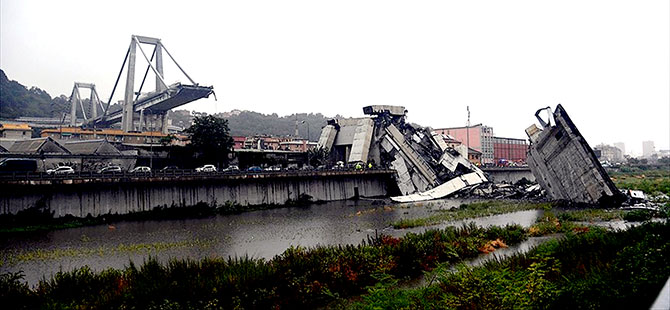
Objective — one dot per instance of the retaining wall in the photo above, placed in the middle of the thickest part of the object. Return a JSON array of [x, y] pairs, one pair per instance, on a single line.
[[122, 197]]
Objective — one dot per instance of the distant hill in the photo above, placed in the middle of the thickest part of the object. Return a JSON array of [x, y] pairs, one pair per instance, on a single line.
[[248, 123], [16, 100]]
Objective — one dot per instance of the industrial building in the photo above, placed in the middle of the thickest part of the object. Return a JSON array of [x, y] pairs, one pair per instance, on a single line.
[[609, 153], [509, 151], [478, 137], [112, 135], [15, 131]]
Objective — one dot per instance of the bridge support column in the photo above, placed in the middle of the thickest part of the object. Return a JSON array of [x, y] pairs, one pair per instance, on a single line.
[[164, 122], [128, 109], [73, 107]]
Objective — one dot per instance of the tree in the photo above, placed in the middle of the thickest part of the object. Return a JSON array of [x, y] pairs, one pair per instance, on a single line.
[[317, 156], [167, 140], [210, 137]]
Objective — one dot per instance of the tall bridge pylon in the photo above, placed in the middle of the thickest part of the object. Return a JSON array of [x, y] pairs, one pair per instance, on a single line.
[[154, 104], [75, 100]]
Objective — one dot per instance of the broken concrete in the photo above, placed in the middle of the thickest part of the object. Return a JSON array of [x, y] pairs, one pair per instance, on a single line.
[[426, 168], [564, 164]]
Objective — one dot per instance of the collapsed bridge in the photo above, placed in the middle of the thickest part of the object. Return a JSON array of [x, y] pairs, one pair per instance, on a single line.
[[426, 168], [137, 107]]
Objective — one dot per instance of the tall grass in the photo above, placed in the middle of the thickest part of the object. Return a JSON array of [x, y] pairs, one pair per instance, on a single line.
[[651, 182], [597, 269]]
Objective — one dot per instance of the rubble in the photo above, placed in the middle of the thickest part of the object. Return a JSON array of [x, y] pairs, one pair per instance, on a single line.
[[426, 168], [523, 189], [564, 164]]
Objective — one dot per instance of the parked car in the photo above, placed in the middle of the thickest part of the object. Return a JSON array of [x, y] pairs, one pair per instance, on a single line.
[[339, 166], [307, 167], [141, 169], [231, 168], [110, 169], [169, 168], [17, 165], [273, 168], [254, 169], [61, 170], [206, 168]]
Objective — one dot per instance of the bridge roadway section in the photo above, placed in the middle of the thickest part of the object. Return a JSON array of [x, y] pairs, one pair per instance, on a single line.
[[87, 193]]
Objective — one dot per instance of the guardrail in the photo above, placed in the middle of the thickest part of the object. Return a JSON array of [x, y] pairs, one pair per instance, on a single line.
[[36, 176]]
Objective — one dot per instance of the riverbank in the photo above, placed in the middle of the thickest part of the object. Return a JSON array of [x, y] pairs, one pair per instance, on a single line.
[[326, 274], [596, 268], [585, 266], [299, 277]]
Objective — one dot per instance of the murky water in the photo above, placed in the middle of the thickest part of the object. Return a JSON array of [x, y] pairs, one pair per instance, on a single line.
[[260, 234]]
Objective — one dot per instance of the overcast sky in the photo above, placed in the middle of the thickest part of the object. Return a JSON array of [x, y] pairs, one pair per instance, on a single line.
[[607, 62]]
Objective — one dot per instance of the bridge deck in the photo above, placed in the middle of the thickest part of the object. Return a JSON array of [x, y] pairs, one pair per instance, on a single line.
[[174, 96]]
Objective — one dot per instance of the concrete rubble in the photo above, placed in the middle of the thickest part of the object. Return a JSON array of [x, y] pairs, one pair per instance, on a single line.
[[426, 168], [523, 189], [564, 164]]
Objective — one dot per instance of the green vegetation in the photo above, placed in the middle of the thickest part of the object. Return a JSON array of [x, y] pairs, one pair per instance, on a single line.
[[16, 100], [298, 278], [652, 182], [584, 215], [248, 123], [318, 156], [472, 210], [211, 138], [8, 258], [595, 269]]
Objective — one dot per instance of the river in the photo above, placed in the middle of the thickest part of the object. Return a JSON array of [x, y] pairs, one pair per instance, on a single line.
[[260, 234]]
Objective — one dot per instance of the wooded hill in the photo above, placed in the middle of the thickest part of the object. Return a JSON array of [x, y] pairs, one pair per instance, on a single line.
[[17, 100]]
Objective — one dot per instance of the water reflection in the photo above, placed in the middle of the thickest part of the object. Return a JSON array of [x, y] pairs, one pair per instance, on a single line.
[[260, 234]]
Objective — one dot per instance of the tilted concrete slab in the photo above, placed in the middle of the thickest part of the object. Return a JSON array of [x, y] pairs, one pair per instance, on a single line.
[[362, 139], [565, 165], [327, 137], [444, 189]]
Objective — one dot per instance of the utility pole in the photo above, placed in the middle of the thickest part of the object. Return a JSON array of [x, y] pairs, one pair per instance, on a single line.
[[467, 132]]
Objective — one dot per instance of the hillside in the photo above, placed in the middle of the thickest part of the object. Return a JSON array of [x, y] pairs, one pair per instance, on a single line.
[[16, 100], [246, 123], [249, 123]]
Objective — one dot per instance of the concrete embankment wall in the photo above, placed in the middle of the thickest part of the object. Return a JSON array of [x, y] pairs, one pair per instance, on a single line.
[[122, 197]]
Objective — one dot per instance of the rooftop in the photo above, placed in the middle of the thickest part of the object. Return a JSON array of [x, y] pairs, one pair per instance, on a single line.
[[7, 126]]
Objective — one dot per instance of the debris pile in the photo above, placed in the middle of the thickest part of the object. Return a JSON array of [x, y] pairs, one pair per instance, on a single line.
[[488, 190], [638, 200], [426, 167]]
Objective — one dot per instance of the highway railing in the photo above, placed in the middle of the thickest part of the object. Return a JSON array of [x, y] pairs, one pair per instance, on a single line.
[[36, 176]]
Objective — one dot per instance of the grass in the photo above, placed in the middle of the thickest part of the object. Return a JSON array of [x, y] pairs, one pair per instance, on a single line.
[[652, 182], [472, 210], [298, 278], [9, 258], [594, 269], [587, 215]]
